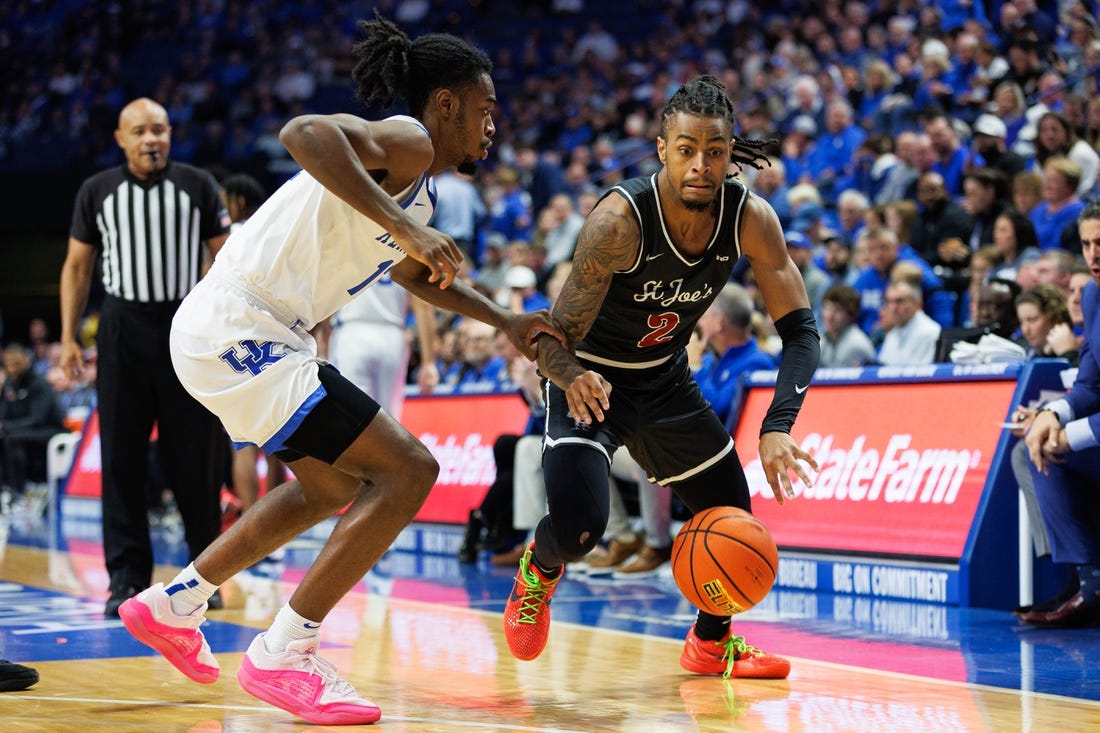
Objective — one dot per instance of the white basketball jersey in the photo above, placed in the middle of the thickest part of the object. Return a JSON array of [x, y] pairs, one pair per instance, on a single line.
[[384, 303], [310, 252]]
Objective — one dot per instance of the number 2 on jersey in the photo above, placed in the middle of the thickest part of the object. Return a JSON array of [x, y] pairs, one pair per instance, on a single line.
[[663, 324]]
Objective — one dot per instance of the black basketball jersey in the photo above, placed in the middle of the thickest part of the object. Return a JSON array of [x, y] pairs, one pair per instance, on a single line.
[[651, 308]]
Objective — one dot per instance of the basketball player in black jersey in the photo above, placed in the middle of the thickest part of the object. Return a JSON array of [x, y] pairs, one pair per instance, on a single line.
[[651, 257]]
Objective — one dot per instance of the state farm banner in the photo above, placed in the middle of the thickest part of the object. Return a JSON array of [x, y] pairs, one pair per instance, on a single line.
[[460, 431], [902, 465]]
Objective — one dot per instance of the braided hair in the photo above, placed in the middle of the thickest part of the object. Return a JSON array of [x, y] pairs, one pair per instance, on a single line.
[[392, 66], [706, 97]]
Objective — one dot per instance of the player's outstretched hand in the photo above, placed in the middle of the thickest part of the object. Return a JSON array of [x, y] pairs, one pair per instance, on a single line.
[[779, 455], [587, 396]]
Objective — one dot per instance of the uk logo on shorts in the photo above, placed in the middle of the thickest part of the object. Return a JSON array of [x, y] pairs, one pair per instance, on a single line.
[[250, 356]]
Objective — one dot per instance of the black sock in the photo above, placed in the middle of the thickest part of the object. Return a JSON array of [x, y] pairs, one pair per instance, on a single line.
[[1089, 576], [711, 628], [548, 573]]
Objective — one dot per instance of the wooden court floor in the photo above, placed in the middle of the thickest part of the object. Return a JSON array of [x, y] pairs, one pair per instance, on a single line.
[[421, 637]]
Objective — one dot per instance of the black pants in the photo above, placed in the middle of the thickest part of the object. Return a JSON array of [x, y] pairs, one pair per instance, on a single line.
[[23, 456], [138, 387]]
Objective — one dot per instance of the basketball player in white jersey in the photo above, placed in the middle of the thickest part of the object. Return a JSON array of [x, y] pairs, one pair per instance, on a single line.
[[369, 345], [240, 344]]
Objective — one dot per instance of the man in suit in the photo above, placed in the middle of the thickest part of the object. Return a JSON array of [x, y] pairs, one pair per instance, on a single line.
[[1064, 447]]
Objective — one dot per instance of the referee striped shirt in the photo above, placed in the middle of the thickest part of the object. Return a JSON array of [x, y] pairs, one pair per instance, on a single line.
[[150, 233]]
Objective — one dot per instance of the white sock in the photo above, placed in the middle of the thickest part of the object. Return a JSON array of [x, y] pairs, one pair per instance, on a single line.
[[188, 591], [288, 626]]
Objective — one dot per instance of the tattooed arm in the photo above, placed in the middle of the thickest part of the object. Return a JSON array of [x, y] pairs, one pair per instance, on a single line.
[[608, 241]]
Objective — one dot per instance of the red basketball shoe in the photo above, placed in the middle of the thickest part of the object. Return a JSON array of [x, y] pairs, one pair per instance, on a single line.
[[527, 613], [731, 657]]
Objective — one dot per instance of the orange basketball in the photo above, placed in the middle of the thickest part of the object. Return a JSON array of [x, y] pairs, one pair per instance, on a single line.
[[724, 560]]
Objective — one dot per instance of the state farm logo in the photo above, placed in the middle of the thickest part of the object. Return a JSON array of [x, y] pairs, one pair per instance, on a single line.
[[469, 463], [860, 473]]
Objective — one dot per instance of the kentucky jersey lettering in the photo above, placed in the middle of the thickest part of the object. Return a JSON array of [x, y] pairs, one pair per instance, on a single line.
[[643, 317], [256, 356]]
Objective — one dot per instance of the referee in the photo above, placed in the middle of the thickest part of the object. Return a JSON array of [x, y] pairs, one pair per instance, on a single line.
[[148, 219]]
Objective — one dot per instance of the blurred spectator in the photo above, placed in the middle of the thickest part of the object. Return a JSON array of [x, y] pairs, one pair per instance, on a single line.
[[797, 146], [800, 249], [1027, 191], [913, 336], [510, 213], [29, 417], [481, 368], [1057, 138], [952, 158], [851, 206], [1015, 241], [839, 261], [941, 233], [727, 330], [1065, 339], [924, 159], [1054, 267], [1039, 309], [883, 252], [834, 152], [805, 103], [770, 184], [985, 196], [843, 343], [459, 212], [494, 263], [558, 227], [522, 294], [1009, 106], [540, 174], [1024, 64], [1055, 217], [989, 143], [996, 308], [38, 338], [904, 172]]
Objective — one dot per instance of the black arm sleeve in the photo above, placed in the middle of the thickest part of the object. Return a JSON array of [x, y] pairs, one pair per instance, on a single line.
[[801, 353]]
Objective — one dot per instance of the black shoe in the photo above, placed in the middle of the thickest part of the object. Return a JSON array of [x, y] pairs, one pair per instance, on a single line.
[[467, 554], [117, 599], [1076, 612], [1072, 586], [215, 602], [15, 677]]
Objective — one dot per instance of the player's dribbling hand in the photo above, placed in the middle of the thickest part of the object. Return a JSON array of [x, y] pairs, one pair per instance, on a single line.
[[588, 396], [779, 455]]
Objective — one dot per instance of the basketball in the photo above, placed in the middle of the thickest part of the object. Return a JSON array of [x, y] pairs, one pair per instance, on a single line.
[[724, 560]]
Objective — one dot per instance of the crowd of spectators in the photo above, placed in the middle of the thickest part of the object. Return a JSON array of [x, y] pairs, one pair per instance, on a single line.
[[941, 144]]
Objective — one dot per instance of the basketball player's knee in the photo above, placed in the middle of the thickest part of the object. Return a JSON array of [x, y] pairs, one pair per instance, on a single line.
[[578, 530], [422, 470], [579, 544]]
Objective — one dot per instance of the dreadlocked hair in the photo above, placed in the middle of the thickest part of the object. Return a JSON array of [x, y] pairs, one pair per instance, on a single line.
[[705, 96], [391, 66]]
